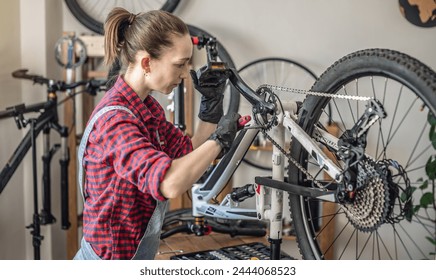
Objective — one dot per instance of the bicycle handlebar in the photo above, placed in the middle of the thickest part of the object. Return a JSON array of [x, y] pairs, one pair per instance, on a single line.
[[92, 86], [209, 43]]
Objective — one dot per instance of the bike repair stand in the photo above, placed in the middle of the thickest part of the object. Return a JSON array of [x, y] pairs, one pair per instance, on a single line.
[[35, 226], [266, 210]]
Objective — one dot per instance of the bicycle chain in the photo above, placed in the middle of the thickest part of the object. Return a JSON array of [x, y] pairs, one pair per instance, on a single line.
[[315, 93], [305, 92]]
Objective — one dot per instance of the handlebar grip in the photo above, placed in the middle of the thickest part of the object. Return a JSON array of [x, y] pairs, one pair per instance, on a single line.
[[195, 40], [201, 41], [21, 74]]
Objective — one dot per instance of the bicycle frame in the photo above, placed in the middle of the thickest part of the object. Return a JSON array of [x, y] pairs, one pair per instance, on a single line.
[[222, 173], [46, 121]]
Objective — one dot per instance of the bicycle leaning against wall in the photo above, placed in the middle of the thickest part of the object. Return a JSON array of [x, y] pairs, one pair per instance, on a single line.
[[46, 120], [365, 191]]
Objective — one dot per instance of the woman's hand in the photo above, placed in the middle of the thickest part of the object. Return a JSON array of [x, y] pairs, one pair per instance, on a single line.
[[211, 104]]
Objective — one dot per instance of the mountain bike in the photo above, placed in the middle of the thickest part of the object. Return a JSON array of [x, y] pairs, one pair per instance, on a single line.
[[363, 192], [46, 120]]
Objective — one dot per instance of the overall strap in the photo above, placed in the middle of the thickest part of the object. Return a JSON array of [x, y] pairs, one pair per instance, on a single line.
[[85, 137]]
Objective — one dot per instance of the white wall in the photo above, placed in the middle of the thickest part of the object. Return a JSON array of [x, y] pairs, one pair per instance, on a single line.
[[29, 31], [315, 33], [12, 232]]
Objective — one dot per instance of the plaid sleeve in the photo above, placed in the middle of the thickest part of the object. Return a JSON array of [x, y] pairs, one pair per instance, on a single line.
[[178, 143], [131, 153]]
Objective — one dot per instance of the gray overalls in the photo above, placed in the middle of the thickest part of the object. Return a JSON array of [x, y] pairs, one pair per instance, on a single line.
[[149, 243]]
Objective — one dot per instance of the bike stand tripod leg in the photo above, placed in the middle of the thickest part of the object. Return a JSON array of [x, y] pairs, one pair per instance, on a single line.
[[275, 246], [35, 226], [276, 211]]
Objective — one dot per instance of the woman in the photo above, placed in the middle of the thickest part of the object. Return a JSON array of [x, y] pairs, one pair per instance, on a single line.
[[134, 159]]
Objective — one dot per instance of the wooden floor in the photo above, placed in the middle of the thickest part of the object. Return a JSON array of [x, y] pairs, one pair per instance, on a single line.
[[181, 243]]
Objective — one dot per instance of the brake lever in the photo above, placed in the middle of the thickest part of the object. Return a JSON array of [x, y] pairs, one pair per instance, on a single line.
[[95, 86], [242, 121]]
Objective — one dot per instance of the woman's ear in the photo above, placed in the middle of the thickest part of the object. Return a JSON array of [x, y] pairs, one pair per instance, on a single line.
[[145, 64]]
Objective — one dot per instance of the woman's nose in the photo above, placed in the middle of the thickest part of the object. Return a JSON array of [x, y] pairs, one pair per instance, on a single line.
[[185, 71]]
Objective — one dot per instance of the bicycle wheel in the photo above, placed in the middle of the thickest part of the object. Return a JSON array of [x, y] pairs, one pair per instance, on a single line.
[[92, 14], [385, 221], [275, 71]]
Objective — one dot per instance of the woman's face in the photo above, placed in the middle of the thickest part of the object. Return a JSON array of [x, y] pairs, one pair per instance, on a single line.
[[167, 72]]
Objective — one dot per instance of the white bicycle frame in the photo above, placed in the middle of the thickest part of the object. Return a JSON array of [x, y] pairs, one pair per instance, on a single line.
[[269, 201]]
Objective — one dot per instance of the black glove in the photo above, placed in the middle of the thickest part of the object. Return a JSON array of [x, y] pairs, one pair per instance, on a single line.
[[225, 132], [211, 104]]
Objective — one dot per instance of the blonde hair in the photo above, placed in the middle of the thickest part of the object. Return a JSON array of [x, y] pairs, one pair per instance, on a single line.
[[126, 34]]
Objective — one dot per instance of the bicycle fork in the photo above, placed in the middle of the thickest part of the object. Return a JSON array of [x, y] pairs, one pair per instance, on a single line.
[[46, 214], [269, 201]]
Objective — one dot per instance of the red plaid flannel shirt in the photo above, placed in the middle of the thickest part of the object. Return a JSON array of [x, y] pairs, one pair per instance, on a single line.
[[125, 160]]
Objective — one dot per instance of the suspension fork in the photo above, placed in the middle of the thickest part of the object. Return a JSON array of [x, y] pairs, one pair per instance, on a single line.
[[64, 162], [47, 155]]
